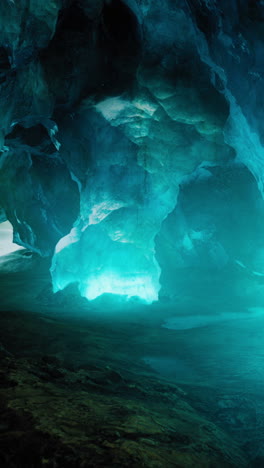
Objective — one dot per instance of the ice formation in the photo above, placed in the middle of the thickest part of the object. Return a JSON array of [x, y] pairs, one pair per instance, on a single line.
[[110, 112]]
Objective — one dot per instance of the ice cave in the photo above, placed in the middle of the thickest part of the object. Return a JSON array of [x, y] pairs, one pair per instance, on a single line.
[[132, 233]]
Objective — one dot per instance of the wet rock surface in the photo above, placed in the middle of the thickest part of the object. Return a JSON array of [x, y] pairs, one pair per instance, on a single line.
[[76, 391], [55, 416], [106, 384]]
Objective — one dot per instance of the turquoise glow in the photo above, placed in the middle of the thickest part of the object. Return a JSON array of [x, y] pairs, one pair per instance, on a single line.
[[110, 282], [101, 265]]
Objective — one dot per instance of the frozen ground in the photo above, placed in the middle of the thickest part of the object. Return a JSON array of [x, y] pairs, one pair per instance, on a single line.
[[215, 357]]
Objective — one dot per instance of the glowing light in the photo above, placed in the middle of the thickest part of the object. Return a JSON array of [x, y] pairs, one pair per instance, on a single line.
[[130, 286], [101, 265]]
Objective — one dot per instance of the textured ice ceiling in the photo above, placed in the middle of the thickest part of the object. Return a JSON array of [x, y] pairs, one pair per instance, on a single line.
[[109, 111]]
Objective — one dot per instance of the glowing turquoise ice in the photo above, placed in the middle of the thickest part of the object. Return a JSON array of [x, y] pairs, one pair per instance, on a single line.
[[101, 265], [110, 282], [124, 198]]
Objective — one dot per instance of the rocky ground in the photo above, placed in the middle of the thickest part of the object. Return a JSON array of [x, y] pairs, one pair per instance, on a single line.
[[56, 416], [77, 389]]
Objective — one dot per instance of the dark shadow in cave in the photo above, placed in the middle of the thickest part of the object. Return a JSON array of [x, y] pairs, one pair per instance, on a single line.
[[206, 18], [92, 57], [4, 59], [211, 246], [4, 64], [35, 136]]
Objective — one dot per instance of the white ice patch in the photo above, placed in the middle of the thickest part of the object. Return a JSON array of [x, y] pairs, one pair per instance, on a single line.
[[111, 108], [69, 239], [6, 239], [101, 210]]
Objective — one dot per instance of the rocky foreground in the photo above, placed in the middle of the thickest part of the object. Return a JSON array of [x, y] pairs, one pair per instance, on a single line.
[[56, 416], [75, 390]]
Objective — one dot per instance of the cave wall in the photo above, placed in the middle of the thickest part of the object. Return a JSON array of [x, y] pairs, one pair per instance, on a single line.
[[107, 108]]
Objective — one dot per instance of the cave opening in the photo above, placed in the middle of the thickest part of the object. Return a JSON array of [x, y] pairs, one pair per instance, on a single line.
[[7, 244]]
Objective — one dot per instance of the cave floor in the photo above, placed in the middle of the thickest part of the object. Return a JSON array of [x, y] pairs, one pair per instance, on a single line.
[[106, 384]]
